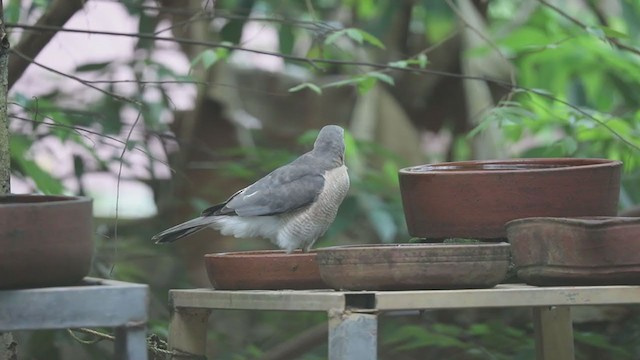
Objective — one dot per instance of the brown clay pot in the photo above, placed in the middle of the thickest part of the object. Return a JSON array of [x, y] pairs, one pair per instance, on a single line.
[[474, 199], [414, 266], [263, 270], [44, 240], [576, 251]]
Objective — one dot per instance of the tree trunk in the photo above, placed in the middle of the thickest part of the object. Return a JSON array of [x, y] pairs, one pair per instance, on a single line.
[[7, 344], [4, 123]]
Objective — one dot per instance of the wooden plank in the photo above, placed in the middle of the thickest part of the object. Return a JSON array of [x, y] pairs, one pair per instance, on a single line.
[[107, 304], [188, 331], [553, 333], [507, 296], [286, 300]]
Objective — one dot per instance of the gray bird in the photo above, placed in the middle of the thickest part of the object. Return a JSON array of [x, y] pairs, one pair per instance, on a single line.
[[292, 206]]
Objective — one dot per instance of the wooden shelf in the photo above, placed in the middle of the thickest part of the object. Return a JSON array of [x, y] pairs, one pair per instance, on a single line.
[[93, 303], [353, 315], [507, 295]]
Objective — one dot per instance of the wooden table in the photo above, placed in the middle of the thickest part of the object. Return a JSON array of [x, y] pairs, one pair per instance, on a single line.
[[94, 303], [353, 315]]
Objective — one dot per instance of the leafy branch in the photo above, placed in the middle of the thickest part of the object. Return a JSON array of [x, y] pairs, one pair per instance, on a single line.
[[604, 32]]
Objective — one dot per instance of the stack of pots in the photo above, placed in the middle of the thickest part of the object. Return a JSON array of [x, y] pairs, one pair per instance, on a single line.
[[477, 199]]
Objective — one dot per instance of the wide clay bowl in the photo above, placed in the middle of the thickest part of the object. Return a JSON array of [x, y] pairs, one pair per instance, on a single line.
[[44, 240], [576, 251], [474, 199], [263, 270], [414, 266]]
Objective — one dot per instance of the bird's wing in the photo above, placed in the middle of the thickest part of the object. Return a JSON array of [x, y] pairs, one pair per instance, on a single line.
[[285, 189]]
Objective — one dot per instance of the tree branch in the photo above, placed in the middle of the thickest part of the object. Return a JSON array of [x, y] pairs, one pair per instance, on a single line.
[[212, 44], [58, 13], [29, 60], [579, 23]]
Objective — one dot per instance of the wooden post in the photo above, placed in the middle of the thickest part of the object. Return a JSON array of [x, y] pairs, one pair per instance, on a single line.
[[553, 333], [131, 343], [352, 335], [188, 330]]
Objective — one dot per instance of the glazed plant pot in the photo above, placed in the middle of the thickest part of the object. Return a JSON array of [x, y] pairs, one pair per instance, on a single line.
[[44, 240], [414, 266], [263, 270], [576, 251], [474, 199]]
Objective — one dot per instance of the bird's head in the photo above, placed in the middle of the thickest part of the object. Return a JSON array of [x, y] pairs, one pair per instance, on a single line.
[[330, 144]]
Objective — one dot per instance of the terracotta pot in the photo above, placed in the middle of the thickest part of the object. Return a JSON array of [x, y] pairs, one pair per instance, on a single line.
[[576, 251], [474, 199], [263, 270], [44, 240], [414, 266]]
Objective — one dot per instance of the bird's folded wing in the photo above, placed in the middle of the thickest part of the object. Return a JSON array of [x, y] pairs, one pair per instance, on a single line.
[[277, 193]]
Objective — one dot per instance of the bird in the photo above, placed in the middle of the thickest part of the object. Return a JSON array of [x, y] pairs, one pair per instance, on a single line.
[[292, 206]]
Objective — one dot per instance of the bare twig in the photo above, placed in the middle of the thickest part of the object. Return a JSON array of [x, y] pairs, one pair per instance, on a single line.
[[82, 81], [57, 14], [115, 227]]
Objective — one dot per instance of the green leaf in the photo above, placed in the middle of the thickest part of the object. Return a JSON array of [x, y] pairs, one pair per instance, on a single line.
[[307, 85], [401, 64], [365, 84], [19, 147], [12, 11], [351, 81], [355, 35], [422, 61], [93, 66], [372, 39], [207, 58], [146, 25], [334, 36], [286, 39], [613, 33], [382, 77]]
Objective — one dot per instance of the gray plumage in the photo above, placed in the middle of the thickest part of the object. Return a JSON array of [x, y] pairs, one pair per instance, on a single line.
[[292, 206]]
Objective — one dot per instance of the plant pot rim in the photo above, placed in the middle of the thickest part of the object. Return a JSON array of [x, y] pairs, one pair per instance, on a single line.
[[591, 222], [472, 167], [413, 246], [260, 253], [40, 199]]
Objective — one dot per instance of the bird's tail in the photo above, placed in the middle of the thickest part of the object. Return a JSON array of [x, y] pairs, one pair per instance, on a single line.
[[181, 230]]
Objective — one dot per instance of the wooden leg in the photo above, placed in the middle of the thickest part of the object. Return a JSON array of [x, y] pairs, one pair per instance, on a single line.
[[553, 332], [188, 330], [131, 343], [352, 336]]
